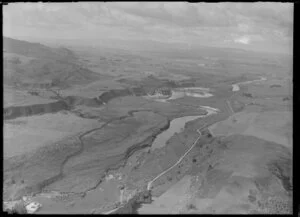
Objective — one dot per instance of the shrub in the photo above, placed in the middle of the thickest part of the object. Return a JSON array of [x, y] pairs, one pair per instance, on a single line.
[[19, 208], [191, 206], [251, 198]]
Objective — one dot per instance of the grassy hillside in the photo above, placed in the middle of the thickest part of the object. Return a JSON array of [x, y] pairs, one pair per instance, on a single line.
[[26, 64]]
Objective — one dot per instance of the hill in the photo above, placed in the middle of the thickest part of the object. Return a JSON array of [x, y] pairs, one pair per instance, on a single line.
[[37, 50], [28, 64]]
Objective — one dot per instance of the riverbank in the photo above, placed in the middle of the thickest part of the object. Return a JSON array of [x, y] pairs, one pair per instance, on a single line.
[[236, 87]]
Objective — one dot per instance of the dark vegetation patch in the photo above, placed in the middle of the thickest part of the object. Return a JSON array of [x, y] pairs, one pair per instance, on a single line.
[[249, 95], [281, 168], [275, 85], [191, 206], [132, 206], [287, 98]]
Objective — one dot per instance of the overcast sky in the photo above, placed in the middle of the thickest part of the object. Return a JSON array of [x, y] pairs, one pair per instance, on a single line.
[[262, 26]]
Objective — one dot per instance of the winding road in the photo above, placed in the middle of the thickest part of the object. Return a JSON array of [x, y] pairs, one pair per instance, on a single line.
[[179, 160], [210, 112], [167, 170]]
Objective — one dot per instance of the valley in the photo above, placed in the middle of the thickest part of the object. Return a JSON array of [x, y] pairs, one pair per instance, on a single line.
[[95, 131]]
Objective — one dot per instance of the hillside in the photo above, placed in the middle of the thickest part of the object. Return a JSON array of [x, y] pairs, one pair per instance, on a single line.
[[28, 64], [36, 50]]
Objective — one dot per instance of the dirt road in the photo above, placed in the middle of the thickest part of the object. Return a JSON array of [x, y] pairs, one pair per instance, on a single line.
[[174, 165]]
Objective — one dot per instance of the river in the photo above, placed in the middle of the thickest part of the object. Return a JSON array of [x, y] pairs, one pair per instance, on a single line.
[[177, 126], [236, 87]]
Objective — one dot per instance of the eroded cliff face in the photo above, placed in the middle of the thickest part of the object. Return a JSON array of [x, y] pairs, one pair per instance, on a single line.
[[68, 103], [109, 95], [13, 112], [162, 91]]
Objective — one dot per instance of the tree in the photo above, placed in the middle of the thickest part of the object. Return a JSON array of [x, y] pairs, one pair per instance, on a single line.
[[191, 206], [19, 208]]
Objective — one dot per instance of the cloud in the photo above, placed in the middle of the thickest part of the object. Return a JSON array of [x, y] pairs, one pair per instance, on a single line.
[[242, 16], [242, 23], [242, 40], [244, 27]]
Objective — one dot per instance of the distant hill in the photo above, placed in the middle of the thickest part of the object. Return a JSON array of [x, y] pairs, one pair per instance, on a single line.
[[36, 50], [27, 64]]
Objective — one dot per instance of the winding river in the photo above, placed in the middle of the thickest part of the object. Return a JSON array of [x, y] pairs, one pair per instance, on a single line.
[[236, 87], [177, 126]]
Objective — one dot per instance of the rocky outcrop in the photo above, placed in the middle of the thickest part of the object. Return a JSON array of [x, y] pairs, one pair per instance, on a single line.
[[28, 110], [67, 103], [109, 95], [76, 100], [162, 91]]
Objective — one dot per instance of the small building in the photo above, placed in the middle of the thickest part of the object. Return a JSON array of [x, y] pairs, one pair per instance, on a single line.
[[33, 207]]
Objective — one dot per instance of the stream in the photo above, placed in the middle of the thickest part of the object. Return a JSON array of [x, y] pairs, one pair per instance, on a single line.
[[235, 87]]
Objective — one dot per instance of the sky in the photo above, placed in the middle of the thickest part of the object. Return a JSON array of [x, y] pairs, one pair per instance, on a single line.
[[254, 26]]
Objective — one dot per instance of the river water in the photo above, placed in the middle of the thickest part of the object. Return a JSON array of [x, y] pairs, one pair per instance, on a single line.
[[236, 87], [177, 126]]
